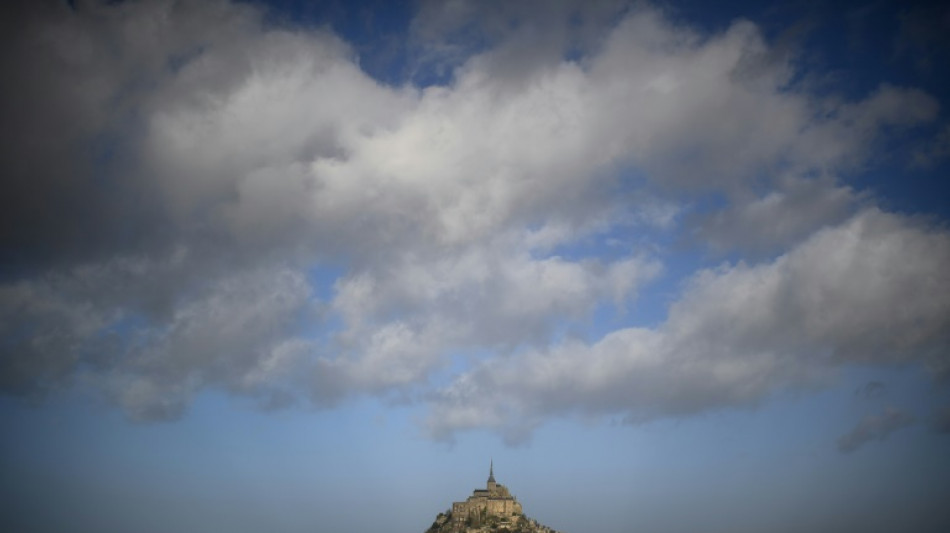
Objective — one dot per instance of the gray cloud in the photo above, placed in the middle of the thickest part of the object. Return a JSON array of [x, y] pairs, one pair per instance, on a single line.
[[790, 212], [872, 390], [520, 37], [941, 420], [874, 427], [194, 199], [932, 153], [85, 77]]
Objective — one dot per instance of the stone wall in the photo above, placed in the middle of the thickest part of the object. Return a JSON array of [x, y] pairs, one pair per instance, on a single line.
[[504, 507], [495, 506]]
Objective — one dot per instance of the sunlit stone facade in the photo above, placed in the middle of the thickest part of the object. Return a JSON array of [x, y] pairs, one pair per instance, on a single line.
[[494, 499]]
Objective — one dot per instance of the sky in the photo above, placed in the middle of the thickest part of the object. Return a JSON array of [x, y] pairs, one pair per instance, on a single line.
[[300, 266]]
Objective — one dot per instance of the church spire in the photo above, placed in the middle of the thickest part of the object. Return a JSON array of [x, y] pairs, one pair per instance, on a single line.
[[491, 471]]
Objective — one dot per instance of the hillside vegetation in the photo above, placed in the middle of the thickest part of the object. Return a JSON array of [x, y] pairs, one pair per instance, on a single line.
[[487, 523]]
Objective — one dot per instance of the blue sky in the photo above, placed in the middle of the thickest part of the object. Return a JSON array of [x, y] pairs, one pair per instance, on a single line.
[[308, 266]]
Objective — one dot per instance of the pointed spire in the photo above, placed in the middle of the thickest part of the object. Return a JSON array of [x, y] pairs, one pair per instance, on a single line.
[[491, 471]]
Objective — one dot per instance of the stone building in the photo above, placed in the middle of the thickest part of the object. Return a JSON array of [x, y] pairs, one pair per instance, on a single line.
[[494, 499]]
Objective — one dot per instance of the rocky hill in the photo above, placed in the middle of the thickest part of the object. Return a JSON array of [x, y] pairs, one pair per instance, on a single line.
[[487, 523], [490, 510]]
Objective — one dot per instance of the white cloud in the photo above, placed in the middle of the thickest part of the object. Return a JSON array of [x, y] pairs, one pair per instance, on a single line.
[[868, 291], [495, 214], [411, 314]]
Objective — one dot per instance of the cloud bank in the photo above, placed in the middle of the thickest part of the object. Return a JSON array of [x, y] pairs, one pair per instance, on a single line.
[[197, 198], [736, 335]]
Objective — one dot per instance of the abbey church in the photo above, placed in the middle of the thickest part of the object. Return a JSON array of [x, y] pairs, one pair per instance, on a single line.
[[492, 500]]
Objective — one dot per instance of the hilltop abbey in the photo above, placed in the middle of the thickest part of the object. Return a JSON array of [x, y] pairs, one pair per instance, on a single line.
[[493, 500]]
